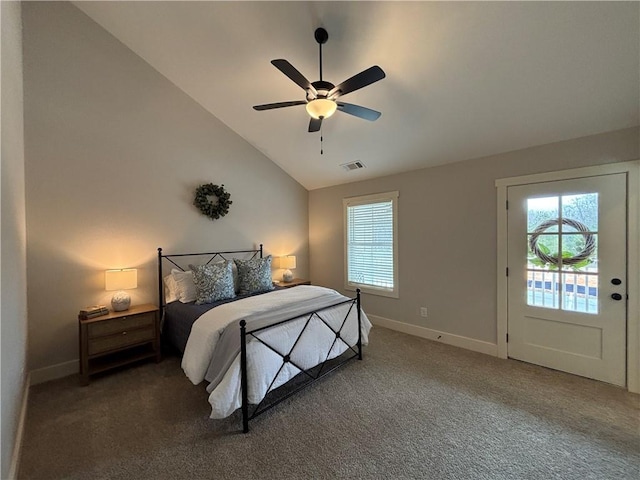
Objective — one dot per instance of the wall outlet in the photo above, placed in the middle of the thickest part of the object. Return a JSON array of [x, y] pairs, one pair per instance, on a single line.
[[423, 312]]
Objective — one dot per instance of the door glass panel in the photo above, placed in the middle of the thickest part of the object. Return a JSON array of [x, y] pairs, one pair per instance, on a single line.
[[541, 247], [580, 292], [543, 289], [562, 256], [582, 208], [540, 210], [580, 252]]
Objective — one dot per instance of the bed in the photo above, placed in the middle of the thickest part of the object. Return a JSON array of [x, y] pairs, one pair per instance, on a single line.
[[260, 344]]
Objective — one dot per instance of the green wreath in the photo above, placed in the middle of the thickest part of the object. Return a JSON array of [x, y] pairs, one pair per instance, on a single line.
[[209, 208]]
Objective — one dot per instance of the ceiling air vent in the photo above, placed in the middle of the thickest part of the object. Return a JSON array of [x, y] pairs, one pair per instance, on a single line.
[[352, 166]]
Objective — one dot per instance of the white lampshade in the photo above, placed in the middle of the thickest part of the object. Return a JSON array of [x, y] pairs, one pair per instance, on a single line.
[[287, 263], [321, 107], [124, 279]]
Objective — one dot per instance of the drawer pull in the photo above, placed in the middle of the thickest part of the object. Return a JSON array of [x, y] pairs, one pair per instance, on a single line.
[[124, 333]]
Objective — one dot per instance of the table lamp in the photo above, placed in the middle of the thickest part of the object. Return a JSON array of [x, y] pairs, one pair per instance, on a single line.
[[120, 280], [287, 262]]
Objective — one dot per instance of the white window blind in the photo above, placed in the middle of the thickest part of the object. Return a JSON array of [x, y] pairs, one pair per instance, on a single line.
[[371, 258]]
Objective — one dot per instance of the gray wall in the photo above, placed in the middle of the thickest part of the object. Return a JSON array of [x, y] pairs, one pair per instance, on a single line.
[[114, 152], [447, 224], [13, 276]]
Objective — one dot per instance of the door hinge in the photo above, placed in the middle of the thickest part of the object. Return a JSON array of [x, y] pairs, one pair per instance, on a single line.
[[507, 271], [507, 204], [507, 338]]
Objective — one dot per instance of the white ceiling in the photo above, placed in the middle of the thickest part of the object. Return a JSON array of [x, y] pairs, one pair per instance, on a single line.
[[464, 79]]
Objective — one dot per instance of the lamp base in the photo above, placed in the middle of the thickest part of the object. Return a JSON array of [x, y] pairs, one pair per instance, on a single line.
[[287, 276], [120, 302]]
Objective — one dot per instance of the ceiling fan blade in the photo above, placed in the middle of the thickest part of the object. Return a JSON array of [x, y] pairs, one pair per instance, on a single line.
[[315, 124], [362, 79], [358, 111], [291, 72], [269, 106]]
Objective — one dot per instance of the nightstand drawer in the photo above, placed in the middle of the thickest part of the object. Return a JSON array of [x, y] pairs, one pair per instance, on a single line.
[[119, 325], [123, 339]]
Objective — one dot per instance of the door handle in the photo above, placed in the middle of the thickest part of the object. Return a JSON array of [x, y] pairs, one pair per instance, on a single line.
[[616, 296], [616, 281]]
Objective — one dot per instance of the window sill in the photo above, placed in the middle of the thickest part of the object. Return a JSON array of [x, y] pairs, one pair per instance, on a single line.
[[373, 290]]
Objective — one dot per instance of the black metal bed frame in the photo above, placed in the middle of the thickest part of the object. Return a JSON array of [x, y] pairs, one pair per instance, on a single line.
[[312, 374], [306, 377], [212, 255]]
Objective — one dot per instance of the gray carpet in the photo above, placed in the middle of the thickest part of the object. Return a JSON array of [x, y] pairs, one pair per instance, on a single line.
[[411, 409]]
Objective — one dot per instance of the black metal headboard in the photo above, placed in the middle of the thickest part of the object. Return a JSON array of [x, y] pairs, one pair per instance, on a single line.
[[211, 257]]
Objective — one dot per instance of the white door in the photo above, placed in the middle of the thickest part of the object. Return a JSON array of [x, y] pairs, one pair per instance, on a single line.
[[567, 275]]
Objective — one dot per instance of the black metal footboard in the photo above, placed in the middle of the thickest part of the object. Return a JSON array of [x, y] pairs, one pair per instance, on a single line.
[[309, 375]]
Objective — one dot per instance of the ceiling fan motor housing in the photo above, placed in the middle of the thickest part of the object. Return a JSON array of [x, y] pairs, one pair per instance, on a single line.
[[323, 88]]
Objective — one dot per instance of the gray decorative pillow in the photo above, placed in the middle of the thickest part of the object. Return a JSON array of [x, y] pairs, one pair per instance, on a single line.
[[213, 282], [255, 275]]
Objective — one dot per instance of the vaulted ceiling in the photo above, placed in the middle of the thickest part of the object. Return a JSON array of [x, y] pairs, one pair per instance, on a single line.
[[463, 79]]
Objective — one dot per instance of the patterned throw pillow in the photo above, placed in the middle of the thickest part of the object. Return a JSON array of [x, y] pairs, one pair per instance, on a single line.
[[214, 282], [255, 275]]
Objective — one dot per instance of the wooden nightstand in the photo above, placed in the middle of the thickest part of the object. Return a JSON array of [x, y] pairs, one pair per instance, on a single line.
[[117, 339], [293, 283]]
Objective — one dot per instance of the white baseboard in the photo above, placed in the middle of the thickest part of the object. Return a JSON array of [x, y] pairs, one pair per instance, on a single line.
[[435, 335], [54, 372], [17, 446]]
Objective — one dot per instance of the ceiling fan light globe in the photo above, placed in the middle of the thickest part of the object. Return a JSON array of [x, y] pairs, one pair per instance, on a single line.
[[321, 108]]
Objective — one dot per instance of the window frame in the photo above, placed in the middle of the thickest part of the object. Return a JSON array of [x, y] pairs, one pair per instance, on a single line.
[[365, 200]]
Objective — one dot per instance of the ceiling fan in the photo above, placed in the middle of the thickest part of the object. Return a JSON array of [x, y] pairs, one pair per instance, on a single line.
[[322, 96]]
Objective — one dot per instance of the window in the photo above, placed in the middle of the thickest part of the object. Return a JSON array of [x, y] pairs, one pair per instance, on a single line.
[[371, 248], [567, 224]]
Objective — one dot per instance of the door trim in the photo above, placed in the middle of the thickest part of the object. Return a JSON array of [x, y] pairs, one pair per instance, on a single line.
[[632, 169]]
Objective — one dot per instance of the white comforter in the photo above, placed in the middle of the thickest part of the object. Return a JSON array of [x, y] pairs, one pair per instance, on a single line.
[[262, 363]]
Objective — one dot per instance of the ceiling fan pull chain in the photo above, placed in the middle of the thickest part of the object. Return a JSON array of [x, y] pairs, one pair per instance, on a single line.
[[321, 151]]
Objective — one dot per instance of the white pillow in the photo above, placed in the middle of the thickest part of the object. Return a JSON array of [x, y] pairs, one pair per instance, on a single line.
[[185, 286], [170, 289]]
